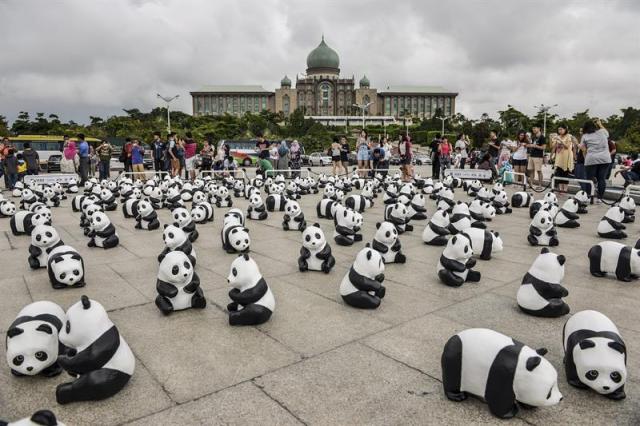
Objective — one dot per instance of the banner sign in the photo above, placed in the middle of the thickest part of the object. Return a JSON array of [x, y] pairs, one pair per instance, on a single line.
[[480, 174], [48, 179]]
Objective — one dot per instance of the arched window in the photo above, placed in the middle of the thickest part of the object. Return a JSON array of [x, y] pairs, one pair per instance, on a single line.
[[285, 105], [366, 100], [325, 104]]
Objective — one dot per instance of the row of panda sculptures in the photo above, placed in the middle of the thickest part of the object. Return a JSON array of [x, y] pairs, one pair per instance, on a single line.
[[45, 340]]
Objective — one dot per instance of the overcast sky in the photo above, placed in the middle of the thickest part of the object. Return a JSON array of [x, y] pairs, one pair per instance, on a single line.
[[81, 58]]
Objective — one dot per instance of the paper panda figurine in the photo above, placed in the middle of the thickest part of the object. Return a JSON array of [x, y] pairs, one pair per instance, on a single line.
[[460, 219], [483, 242], [252, 301], [182, 219], [358, 202], [326, 208], [235, 238], [292, 211], [542, 231], [87, 213], [387, 243], [541, 291], [44, 239], [65, 267], [173, 200], [32, 340], [256, 209], [454, 266], [27, 198], [482, 211], [223, 198], [473, 187], [583, 201], [17, 189], [39, 418], [390, 194], [501, 203], [7, 208], [614, 258], [347, 225], [568, 217], [416, 208], [108, 200], [130, 208], [437, 229], [485, 195], [98, 355], [175, 239], [362, 286], [276, 202], [398, 215], [610, 226], [499, 370], [445, 200], [147, 217], [24, 222], [315, 253], [628, 206], [202, 212], [178, 284], [595, 356], [102, 234]]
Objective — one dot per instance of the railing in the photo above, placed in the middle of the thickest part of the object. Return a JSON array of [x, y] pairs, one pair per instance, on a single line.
[[125, 174], [514, 174], [223, 173], [592, 192]]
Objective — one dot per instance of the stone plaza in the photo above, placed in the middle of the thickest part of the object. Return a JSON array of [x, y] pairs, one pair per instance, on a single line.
[[316, 361]]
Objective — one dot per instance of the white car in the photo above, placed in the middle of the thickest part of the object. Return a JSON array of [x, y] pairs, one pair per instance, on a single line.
[[319, 159]]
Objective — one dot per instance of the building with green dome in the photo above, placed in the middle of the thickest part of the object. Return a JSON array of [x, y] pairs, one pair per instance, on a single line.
[[322, 92]]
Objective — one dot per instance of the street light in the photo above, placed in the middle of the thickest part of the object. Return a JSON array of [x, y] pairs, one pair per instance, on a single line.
[[363, 107], [443, 120], [168, 101], [544, 108]]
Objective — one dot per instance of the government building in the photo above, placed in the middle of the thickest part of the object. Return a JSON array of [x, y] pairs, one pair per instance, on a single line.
[[323, 94]]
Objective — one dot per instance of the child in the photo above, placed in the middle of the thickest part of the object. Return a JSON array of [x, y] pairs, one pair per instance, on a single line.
[[22, 166]]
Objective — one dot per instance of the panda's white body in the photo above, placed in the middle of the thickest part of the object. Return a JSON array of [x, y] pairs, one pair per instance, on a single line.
[[293, 213], [387, 243], [147, 217], [398, 214], [542, 231], [253, 302], [34, 332], [315, 254], [499, 370], [256, 209], [326, 208], [541, 291], [202, 212], [65, 267], [610, 257], [362, 287], [24, 222], [44, 239], [103, 234], [595, 354], [610, 226], [455, 263], [92, 335], [628, 205], [178, 284], [483, 242], [568, 217], [437, 229]]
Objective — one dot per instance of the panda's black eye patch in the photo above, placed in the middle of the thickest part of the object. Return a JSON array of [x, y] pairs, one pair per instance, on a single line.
[[48, 234], [63, 276], [388, 234], [41, 356], [67, 327], [591, 375], [308, 238], [234, 271], [76, 272], [170, 234], [175, 270], [317, 236], [18, 360], [38, 237], [187, 265]]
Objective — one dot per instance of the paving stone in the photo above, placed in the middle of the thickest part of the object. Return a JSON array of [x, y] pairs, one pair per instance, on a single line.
[[15, 296]]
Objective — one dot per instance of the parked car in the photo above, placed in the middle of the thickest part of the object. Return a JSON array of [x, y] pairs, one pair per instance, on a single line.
[[305, 159], [53, 163], [422, 159], [352, 158], [395, 160], [147, 160], [319, 159]]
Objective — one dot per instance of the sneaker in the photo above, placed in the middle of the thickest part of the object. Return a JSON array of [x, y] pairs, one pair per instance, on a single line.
[[598, 201]]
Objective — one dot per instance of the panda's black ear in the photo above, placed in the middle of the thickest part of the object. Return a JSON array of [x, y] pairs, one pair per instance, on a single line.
[[44, 418], [86, 303], [367, 245], [544, 250], [246, 256], [378, 225], [562, 259], [45, 328], [14, 331], [586, 344], [369, 254], [533, 362], [454, 239], [542, 351], [317, 225], [617, 346], [637, 246]]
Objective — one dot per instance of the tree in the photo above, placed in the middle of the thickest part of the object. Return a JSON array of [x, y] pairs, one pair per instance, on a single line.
[[513, 120], [21, 125], [4, 126]]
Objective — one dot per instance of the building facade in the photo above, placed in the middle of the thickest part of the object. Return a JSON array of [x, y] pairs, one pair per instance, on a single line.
[[323, 92]]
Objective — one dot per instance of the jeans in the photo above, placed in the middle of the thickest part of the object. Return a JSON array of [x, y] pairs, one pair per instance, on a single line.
[[581, 173], [435, 167], [158, 165], [104, 169], [127, 165], [630, 176], [12, 178], [463, 161], [83, 169], [598, 172]]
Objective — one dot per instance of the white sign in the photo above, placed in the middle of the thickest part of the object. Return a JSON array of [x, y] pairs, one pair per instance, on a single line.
[[50, 178], [480, 174]]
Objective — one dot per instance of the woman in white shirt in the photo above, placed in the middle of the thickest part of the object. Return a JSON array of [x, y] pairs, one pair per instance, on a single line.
[[519, 158], [461, 147]]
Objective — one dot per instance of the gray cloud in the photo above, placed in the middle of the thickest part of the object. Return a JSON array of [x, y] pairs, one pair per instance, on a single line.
[[81, 58]]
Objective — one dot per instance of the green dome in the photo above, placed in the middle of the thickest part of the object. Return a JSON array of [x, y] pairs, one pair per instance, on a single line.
[[323, 57], [364, 82], [285, 82]]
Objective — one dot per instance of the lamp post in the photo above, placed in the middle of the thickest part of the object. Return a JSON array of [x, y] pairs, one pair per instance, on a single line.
[[363, 107], [167, 101], [544, 109], [443, 120]]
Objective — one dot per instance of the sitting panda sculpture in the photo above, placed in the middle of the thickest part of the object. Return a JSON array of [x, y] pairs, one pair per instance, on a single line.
[[362, 286], [482, 211], [610, 226], [501, 203], [583, 200], [499, 370], [398, 215], [614, 258], [541, 291], [568, 217], [44, 239], [7, 208], [387, 243], [252, 301], [276, 202], [542, 231], [178, 284], [347, 226], [293, 212], [315, 253], [416, 208], [32, 345], [235, 237], [437, 229], [256, 209], [455, 264], [98, 357], [65, 268], [103, 233], [483, 242], [175, 239], [628, 206], [595, 356], [147, 218], [182, 219]]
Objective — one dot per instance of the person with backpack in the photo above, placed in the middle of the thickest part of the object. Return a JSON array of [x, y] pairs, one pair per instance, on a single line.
[[32, 159], [283, 156]]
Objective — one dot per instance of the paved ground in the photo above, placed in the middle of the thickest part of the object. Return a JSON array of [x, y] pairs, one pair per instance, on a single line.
[[316, 361]]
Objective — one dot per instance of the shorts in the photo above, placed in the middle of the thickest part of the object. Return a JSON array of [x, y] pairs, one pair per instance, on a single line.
[[190, 163], [561, 172], [405, 161], [519, 162], [335, 158], [535, 164], [363, 156]]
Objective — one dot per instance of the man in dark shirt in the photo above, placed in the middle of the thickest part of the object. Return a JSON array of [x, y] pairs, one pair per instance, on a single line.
[[83, 153], [32, 159], [157, 152], [435, 157], [536, 154], [494, 147]]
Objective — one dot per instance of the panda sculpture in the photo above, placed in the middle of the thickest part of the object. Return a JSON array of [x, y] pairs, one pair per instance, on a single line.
[[276, 202], [17, 189], [223, 198], [460, 219], [44, 239], [542, 231], [108, 200], [611, 257], [238, 188], [358, 202], [175, 239], [362, 287], [88, 211], [483, 242], [390, 194], [315, 253], [293, 212], [98, 356], [27, 198], [610, 226], [130, 208], [499, 370], [416, 208], [481, 211], [455, 264], [543, 204], [173, 199], [485, 195], [24, 222], [256, 209], [235, 237], [182, 219], [501, 203], [387, 243], [147, 217], [234, 215], [347, 226], [102, 234], [32, 345], [628, 206], [595, 356], [7, 208], [568, 217], [178, 284], [437, 229], [65, 268], [398, 215], [583, 200], [326, 208], [541, 291], [202, 212], [252, 301], [39, 418]]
